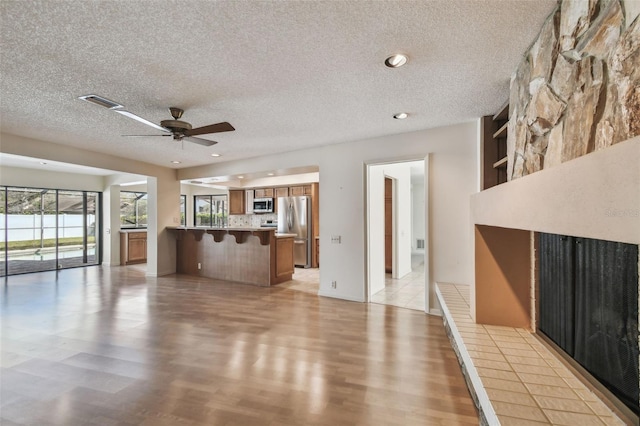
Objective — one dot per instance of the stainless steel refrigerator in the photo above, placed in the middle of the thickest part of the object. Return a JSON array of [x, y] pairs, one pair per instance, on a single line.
[[294, 217]]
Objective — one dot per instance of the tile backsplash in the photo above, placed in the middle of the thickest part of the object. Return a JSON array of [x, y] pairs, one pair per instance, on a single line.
[[250, 220]]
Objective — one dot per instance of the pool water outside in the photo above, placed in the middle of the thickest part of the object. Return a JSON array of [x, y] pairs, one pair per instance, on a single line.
[[50, 253]]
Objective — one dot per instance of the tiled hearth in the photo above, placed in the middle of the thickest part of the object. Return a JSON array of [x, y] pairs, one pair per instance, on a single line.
[[513, 378]]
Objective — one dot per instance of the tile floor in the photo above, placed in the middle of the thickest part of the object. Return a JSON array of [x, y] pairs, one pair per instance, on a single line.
[[525, 383], [407, 292], [306, 280]]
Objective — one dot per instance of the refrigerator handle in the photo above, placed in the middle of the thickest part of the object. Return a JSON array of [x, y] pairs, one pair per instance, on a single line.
[[290, 216]]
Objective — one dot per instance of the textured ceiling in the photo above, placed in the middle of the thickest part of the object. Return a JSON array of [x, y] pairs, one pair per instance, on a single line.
[[288, 75]]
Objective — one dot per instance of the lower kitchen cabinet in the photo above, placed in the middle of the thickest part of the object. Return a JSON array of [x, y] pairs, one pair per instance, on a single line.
[[284, 257], [133, 247]]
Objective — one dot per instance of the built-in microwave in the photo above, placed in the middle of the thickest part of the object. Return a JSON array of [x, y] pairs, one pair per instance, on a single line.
[[263, 205]]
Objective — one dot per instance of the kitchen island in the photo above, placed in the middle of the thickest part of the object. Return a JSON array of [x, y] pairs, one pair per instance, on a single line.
[[257, 256]]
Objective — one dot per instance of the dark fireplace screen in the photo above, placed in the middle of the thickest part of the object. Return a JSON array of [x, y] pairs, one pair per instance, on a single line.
[[588, 304]]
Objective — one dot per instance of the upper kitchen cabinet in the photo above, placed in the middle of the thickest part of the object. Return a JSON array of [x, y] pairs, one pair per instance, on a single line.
[[300, 190], [236, 201], [264, 193], [282, 192]]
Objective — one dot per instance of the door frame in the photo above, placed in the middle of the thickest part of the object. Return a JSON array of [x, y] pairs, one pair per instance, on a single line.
[[370, 269]]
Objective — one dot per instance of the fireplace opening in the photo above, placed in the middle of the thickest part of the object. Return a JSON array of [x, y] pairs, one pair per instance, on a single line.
[[588, 306]]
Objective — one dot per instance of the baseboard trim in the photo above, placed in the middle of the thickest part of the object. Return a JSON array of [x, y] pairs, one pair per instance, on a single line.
[[336, 296]]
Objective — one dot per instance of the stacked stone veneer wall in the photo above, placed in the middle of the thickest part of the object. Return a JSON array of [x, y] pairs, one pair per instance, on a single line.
[[578, 87]]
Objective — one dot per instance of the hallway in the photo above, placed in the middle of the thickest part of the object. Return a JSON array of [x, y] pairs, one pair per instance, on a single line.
[[406, 292]]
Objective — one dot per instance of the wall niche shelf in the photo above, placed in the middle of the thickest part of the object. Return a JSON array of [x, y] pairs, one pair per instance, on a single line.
[[494, 147]]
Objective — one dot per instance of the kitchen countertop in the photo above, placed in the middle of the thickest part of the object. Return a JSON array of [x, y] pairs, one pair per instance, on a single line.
[[278, 235], [127, 230], [202, 228], [264, 229]]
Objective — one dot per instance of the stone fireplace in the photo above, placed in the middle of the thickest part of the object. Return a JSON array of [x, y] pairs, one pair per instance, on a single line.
[[596, 196], [573, 171]]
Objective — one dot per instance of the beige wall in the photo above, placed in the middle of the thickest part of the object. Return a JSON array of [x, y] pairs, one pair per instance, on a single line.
[[593, 196]]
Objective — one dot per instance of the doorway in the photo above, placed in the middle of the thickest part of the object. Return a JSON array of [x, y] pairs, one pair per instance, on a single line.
[[396, 234]]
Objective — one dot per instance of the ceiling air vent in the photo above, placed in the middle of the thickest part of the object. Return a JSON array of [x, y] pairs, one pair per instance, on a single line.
[[99, 100]]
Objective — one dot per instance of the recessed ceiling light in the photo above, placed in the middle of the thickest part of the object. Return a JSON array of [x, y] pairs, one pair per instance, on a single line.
[[395, 61], [240, 177], [175, 162], [215, 155], [271, 174], [401, 116]]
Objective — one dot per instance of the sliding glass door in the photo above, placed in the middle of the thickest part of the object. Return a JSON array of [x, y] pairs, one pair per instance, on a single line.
[[48, 229], [210, 210], [76, 228]]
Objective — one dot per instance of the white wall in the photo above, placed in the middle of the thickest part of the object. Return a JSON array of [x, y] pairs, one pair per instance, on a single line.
[[34, 178], [163, 209], [111, 225], [452, 177], [417, 217], [296, 179]]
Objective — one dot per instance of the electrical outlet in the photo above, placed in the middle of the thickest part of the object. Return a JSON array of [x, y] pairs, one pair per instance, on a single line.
[[334, 284], [336, 239], [199, 265]]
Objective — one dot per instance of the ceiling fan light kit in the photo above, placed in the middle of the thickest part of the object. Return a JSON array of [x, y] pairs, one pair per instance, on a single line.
[[177, 128]]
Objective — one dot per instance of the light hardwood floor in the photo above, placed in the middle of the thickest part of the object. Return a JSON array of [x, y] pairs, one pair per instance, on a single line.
[[109, 346]]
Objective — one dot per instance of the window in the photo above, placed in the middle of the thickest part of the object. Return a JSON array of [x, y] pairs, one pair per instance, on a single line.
[[47, 229], [210, 210], [133, 209], [183, 210]]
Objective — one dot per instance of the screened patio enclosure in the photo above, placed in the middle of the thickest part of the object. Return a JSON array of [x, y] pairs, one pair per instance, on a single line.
[[48, 229]]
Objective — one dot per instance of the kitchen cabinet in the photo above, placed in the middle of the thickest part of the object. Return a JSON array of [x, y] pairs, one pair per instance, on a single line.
[[248, 201], [133, 247], [264, 193], [234, 254], [284, 257], [282, 192], [236, 201], [299, 190]]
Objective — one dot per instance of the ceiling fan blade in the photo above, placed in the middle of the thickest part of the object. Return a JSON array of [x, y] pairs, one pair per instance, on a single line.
[[141, 120], [212, 128], [200, 141], [144, 136]]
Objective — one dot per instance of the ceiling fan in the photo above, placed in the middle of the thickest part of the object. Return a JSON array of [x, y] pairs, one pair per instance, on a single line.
[[178, 129]]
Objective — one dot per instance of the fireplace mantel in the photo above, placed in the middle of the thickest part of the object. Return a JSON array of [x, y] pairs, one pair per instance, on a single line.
[[594, 196]]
